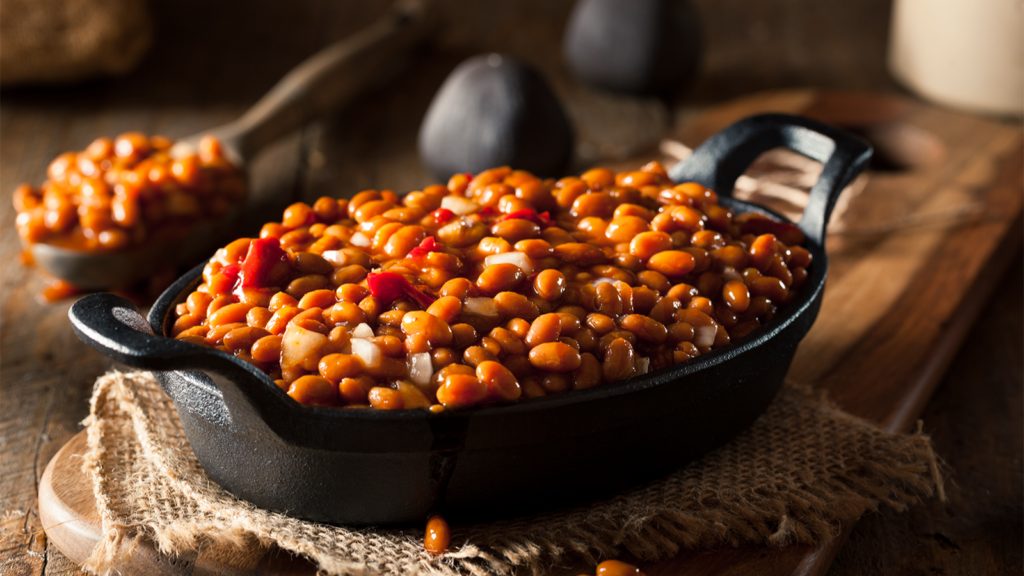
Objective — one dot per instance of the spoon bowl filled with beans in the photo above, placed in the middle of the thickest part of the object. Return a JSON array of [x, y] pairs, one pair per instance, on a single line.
[[109, 215], [494, 335]]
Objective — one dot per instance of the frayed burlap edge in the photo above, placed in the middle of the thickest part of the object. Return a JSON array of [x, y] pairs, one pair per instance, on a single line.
[[792, 478]]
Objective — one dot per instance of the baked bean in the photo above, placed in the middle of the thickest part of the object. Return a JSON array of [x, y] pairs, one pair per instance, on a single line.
[[519, 327], [512, 305], [617, 568], [515, 229], [534, 248], [680, 332], [743, 329], [732, 256], [355, 391], [345, 313], [490, 345], [555, 357], [777, 269], [216, 335], [589, 373], [600, 323], [672, 263], [579, 254], [761, 251], [618, 361], [385, 398], [499, 278], [607, 300], [509, 342], [585, 339], [317, 299], [463, 335], [644, 299], [736, 295], [707, 239], [279, 321], [185, 322], [626, 228], [436, 330], [313, 390], [799, 277], [267, 349], [555, 383], [654, 280], [461, 391], [549, 284], [709, 284], [310, 263], [703, 304], [501, 384], [769, 287], [665, 309], [545, 328], [243, 338], [615, 288], [645, 328], [229, 313]]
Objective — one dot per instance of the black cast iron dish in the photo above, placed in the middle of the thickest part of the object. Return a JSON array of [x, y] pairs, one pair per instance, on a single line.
[[387, 467]]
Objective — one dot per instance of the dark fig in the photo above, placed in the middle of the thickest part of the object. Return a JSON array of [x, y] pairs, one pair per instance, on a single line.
[[640, 47], [494, 110]]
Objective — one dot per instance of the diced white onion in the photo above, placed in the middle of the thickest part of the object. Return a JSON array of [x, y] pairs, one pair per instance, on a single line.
[[704, 335], [729, 274], [459, 205], [360, 239], [450, 229], [181, 150], [336, 257], [367, 351], [362, 331], [481, 306], [297, 344], [643, 365], [421, 369], [517, 258]]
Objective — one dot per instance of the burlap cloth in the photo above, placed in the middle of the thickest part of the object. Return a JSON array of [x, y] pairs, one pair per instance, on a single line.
[[799, 471], [67, 40]]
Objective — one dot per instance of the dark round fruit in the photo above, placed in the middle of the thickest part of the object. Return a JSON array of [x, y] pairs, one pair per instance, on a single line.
[[494, 110], [641, 47]]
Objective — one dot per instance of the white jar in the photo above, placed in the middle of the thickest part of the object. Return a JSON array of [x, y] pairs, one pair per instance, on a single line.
[[967, 54]]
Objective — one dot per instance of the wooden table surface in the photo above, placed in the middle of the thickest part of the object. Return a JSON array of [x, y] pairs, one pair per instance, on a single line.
[[212, 60]]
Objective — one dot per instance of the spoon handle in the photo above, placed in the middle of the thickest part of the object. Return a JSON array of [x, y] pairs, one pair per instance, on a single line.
[[328, 79]]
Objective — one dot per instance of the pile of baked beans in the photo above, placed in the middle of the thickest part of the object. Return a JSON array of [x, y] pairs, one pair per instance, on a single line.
[[495, 287], [121, 193]]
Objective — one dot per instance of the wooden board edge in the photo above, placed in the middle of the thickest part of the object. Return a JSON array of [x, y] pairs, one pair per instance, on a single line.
[[73, 535]]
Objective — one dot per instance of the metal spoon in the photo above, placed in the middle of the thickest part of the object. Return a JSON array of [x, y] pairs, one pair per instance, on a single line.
[[325, 81]]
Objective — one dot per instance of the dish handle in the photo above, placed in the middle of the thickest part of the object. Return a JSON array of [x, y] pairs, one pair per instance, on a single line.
[[115, 327], [723, 158]]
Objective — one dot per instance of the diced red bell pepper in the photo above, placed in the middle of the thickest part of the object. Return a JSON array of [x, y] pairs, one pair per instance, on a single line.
[[232, 271], [543, 219], [427, 246], [389, 286], [264, 264], [488, 211], [443, 215]]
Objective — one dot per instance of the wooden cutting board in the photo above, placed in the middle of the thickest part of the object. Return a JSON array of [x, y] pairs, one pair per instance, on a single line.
[[925, 242]]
